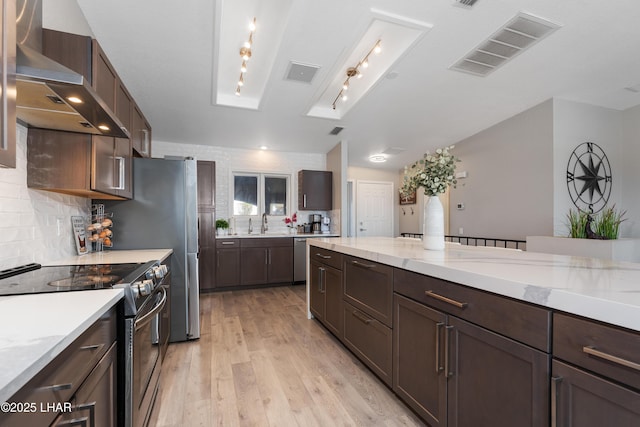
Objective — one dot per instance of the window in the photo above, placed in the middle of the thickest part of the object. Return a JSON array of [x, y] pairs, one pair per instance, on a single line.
[[255, 193]]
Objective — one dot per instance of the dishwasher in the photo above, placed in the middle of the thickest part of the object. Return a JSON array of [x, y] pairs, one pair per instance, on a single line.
[[299, 259]]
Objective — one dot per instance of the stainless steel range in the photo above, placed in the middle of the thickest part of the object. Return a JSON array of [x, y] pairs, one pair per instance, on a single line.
[[143, 329]]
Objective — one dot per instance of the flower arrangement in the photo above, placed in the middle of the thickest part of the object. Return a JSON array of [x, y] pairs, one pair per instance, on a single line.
[[291, 222], [434, 173]]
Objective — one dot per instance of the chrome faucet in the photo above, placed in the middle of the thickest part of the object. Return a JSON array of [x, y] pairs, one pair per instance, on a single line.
[[264, 227], [250, 226]]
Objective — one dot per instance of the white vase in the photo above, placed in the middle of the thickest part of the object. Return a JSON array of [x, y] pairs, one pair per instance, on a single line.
[[433, 224]]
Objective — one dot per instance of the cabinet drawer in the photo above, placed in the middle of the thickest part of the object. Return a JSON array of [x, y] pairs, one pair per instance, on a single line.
[[60, 379], [606, 350], [370, 340], [368, 285], [266, 242], [227, 243], [325, 256], [517, 320]]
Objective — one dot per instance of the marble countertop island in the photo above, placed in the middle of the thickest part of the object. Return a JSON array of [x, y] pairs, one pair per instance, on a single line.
[[36, 328], [598, 289]]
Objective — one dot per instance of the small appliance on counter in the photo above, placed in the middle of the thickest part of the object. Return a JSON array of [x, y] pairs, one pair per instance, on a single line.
[[316, 223], [325, 227]]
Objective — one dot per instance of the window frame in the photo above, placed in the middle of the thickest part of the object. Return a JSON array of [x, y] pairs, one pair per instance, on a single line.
[[261, 190]]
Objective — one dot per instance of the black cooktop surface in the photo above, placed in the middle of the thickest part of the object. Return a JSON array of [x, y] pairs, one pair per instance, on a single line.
[[66, 278]]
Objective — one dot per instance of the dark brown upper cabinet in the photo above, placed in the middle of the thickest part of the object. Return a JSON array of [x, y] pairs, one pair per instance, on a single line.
[[97, 167], [8, 89], [140, 133], [315, 190]]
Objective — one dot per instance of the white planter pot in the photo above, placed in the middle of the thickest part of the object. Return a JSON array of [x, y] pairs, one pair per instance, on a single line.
[[433, 224]]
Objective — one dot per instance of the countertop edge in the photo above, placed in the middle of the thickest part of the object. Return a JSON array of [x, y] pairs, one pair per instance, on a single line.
[[7, 390], [599, 308]]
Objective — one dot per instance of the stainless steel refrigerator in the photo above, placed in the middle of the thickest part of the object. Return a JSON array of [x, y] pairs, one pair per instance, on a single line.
[[164, 214]]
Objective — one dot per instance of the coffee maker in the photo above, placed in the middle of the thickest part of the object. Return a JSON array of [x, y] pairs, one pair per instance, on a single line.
[[316, 223]]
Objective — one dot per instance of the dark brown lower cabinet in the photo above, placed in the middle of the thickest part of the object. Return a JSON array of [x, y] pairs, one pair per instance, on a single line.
[[326, 296], [582, 399], [266, 261], [370, 340], [94, 403], [227, 263], [455, 373], [418, 363]]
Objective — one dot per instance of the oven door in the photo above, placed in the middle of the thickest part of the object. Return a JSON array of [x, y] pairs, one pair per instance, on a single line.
[[146, 355]]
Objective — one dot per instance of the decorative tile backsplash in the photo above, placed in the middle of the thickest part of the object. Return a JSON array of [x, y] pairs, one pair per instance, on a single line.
[[35, 226]]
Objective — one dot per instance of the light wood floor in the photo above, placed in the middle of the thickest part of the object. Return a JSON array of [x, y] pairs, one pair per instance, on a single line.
[[261, 362]]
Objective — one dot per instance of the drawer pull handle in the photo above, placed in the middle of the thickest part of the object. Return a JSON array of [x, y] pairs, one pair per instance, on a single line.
[[228, 243], [59, 387], [92, 347], [615, 359], [361, 317], [359, 264], [445, 299], [324, 256]]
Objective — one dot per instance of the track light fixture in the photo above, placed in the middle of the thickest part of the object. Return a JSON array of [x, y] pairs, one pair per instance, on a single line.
[[355, 72], [245, 54]]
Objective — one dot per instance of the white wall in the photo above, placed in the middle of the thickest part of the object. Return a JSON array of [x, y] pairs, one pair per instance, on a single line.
[[35, 226], [509, 189], [629, 159], [229, 160], [573, 124]]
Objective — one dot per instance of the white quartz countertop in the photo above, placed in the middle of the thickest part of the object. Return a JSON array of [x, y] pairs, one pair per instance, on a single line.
[[36, 328], [115, 257], [275, 234], [599, 289]]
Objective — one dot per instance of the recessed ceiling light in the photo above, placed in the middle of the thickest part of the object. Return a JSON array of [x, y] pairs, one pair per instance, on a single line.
[[263, 147], [378, 158]]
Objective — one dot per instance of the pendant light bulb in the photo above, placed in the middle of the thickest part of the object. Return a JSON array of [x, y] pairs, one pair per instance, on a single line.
[[344, 97], [377, 49], [238, 90], [345, 85], [243, 67], [365, 63], [241, 81], [252, 25]]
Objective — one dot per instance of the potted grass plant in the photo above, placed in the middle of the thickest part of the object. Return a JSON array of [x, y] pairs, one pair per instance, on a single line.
[[222, 227]]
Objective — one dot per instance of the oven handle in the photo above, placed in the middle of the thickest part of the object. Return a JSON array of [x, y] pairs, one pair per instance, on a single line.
[[149, 316]]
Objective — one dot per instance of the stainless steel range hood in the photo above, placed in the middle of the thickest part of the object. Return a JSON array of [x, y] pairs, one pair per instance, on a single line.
[[51, 96]]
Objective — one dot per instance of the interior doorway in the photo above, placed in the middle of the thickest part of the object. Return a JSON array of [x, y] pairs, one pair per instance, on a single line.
[[374, 209]]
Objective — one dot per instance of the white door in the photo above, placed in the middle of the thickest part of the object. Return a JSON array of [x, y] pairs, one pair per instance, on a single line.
[[374, 208]]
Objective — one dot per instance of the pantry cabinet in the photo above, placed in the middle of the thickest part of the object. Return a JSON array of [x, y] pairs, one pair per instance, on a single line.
[[206, 171]]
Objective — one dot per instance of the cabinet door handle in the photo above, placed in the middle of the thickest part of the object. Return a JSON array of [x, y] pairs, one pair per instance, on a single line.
[[611, 358], [59, 387], [447, 344], [119, 172], [439, 326], [304, 200], [361, 317], [266, 257], [445, 299], [554, 400], [360, 264], [92, 347], [145, 141], [320, 281], [269, 256], [323, 256]]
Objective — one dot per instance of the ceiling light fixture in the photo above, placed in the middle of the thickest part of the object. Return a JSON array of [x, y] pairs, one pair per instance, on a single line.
[[378, 158], [355, 72], [245, 54]]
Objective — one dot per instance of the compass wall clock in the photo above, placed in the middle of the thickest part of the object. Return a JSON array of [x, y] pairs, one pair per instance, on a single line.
[[589, 177]]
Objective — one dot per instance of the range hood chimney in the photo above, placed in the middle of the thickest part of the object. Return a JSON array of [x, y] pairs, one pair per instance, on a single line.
[[49, 95]]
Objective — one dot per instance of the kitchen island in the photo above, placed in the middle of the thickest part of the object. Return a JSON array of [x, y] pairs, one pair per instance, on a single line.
[[599, 289], [485, 336]]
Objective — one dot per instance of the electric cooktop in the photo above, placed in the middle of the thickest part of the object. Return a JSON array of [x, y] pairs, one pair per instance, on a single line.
[[34, 279]]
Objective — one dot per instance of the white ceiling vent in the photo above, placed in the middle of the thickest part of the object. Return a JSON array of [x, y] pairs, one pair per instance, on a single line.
[[298, 72], [519, 34]]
